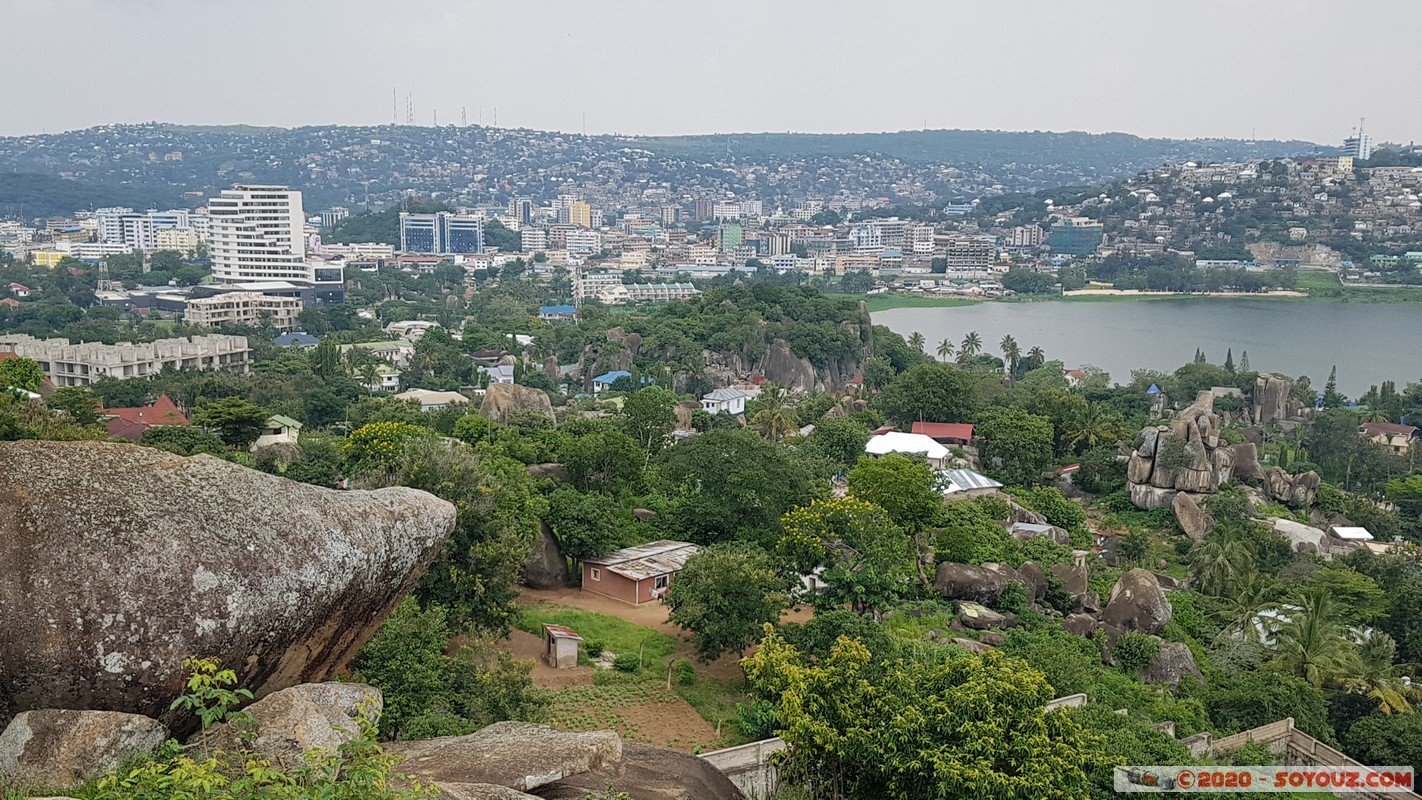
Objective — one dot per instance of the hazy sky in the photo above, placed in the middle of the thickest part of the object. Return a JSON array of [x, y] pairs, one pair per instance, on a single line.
[[1303, 69]]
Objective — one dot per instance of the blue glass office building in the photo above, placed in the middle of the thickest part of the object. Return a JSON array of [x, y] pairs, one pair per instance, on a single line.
[[442, 233]]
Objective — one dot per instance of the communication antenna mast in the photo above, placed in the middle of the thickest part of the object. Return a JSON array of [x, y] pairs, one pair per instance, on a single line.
[[436, 118], [394, 108], [496, 116], [463, 116], [105, 285], [409, 109]]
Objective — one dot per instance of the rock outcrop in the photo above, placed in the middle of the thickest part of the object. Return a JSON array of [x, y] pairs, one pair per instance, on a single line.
[[305, 718], [975, 583], [1192, 519], [517, 755], [1184, 456], [502, 400], [1173, 662], [647, 772], [545, 567], [1273, 400], [1074, 578], [52, 747], [1297, 491], [1137, 603], [121, 561], [1246, 462], [979, 617], [1302, 538]]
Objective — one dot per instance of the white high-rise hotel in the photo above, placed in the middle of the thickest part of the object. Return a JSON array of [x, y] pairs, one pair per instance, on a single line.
[[257, 235]]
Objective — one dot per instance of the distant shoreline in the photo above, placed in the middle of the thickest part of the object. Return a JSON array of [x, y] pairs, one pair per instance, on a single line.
[[885, 302]]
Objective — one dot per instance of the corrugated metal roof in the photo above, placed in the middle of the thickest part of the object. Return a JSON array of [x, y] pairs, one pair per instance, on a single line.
[[647, 560], [561, 632], [962, 480]]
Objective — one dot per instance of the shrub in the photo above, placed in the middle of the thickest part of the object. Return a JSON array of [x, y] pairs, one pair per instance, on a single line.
[[685, 673], [758, 719], [594, 647], [995, 508], [626, 662], [1013, 599], [1134, 651]]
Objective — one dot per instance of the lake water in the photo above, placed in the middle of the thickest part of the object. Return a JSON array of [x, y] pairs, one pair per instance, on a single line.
[[1369, 342]]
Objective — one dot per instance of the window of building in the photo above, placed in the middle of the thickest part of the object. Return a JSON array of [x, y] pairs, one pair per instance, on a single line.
[[595, 573], [661, 582]]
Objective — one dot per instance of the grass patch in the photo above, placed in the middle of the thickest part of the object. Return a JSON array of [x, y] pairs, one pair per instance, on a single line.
[[884, 302], [715, 699], [616, 635], [901, 625], [599, 707]]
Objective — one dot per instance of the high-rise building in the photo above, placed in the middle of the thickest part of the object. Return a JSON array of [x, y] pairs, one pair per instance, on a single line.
[[1359, 145], [256, 235], [730, 236], [331, 216], [441, 233], [1076, 236], [580, 214]]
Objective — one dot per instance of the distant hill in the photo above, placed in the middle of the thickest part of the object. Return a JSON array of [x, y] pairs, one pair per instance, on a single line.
[[1101, 151], [378, 166], [29, 196]]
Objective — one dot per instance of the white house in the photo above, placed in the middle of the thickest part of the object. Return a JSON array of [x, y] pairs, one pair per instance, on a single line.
[[387, 379], [727, 401], [278, 430], [899, 442], [501, 373], [433, 401]]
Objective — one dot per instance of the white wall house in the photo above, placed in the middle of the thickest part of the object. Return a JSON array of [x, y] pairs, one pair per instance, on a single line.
[[727, 401]]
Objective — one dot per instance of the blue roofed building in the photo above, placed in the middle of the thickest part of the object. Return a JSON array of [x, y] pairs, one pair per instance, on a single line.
[[604, 381], [296, 339], [557, 313]]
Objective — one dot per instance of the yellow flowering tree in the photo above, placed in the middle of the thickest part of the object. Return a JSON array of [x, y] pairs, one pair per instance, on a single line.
[[865, 558], [379, 445]]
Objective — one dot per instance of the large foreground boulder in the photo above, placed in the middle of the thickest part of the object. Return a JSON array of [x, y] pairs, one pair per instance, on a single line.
[[1302, 538], [295, 721], [980, 618], [121, 561], [518, 755], [647, 772], [54, 747], [1137, 603], [545, 567], [504, 400]]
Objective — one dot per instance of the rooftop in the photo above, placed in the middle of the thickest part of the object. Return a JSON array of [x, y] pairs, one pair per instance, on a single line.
[[944, 430], [963, 480], [647, 560], [900, 442]]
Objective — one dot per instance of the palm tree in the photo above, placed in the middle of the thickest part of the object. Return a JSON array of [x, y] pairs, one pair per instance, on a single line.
[[971, 346], [370, 376], [1375, 676], [1035, 358], [1091, 426], [1242, 613], [1312, 643], [1011, 353], [945, 349], [1375, 415], [916, 341], [1221, 565], [775, 418]]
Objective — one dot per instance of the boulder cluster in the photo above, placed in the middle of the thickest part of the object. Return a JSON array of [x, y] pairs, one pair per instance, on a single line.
[[1184, 456]]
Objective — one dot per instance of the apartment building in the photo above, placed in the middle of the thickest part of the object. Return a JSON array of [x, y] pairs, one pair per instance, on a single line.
[[257, 234], [442, 233], [621, 294], [82, 364], [244, 308]]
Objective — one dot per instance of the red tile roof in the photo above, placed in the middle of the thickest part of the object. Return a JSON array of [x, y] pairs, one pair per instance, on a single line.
[[130, 423], [944, 430]]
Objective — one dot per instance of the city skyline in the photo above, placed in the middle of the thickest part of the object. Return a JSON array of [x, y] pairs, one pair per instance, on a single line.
[[1268, 69]]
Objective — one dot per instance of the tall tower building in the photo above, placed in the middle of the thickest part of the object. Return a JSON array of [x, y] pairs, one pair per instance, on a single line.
[[580, 214], [257, 235]]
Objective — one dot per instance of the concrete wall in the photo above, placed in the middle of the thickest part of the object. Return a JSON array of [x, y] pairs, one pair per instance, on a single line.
[[749, 767], [610, 584]]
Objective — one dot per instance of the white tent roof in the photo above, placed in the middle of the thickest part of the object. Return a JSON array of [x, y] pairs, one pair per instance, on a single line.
[[1352, 533], [900, 442]]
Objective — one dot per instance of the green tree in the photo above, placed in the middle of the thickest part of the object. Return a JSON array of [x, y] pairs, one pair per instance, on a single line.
[[945, 350], [379, 446], [773, 415], [604, 459], [1018, 445], [901, 486], [473, 429], [727, 484], [77, 402], [586, 525], [865, 558], [916, 341], [430, 692], [1221, 564], [726, 595], [1011, 352], [971, 346], [841, 440], [649, 416], [920, 729], [1239, 700], [929, 393], [185, 440], [1386, 740], [21, 373], [1312, 642], [239, 422]]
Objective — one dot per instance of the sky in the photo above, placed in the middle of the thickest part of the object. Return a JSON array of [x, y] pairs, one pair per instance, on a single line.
[[1273, 69]]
